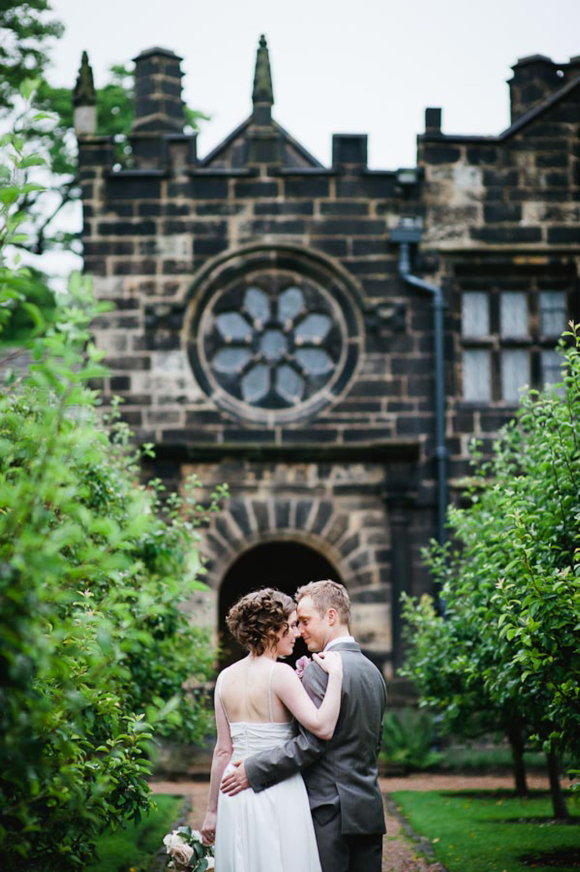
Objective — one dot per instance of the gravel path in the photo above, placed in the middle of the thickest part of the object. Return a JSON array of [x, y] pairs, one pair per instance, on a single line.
[[400, 853]]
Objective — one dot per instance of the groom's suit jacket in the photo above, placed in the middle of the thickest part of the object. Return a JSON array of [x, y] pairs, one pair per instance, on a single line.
[[340, 775]]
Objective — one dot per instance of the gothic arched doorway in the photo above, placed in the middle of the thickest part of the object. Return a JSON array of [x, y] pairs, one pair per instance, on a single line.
[[284, 565]]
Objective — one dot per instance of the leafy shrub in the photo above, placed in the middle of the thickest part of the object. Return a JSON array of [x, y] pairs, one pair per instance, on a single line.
[[408, 740], [96, 646]]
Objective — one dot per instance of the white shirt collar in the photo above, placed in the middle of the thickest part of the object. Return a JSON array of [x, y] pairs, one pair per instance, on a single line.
[[337, 640]]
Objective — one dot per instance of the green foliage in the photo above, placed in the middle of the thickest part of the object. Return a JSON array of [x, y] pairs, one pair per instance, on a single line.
[[492, 758], [96, 646], [538, 592], [491, 832], [25, 38], [408, 739], [133, 846], [114, 118], [36, 307], [506, 654], [448, 657], [25, 301]]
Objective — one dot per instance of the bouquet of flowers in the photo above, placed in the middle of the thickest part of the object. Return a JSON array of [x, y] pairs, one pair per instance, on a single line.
[[187, 851]]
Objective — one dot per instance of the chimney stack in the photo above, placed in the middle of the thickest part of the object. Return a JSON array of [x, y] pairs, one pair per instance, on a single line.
[[158, 103], [535, 78]]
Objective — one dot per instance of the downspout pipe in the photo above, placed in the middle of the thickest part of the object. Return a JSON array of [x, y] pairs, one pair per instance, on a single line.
[[438, 306]]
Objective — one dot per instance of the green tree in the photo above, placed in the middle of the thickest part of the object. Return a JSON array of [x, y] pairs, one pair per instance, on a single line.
[[26, 37], [508, 643], [449, 657], [538, 592], [97, 651]]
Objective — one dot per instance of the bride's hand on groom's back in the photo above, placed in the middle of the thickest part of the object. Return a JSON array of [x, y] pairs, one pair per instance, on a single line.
[[330, 661]]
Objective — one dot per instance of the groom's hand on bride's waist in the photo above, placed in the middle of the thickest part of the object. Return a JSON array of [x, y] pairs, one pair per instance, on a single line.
[[235, 781]]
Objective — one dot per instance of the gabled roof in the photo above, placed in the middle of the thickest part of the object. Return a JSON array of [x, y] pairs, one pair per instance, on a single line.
[[232, 152], [295, 155]]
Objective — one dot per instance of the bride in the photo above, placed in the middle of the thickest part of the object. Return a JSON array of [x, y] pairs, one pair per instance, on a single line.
[[254, 703]]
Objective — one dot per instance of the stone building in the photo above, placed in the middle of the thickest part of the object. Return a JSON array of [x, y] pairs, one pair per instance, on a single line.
[[328, 340]]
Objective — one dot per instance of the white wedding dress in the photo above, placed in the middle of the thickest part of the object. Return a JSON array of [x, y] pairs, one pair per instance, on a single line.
[[269, 831]]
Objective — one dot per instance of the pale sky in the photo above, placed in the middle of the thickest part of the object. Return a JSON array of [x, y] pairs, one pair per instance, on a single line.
[[365, 66]]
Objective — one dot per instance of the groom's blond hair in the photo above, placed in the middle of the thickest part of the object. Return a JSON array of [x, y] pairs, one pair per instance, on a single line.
[[325, 595]]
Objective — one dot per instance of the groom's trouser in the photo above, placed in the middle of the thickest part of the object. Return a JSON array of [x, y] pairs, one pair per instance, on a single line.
[[340, 853]]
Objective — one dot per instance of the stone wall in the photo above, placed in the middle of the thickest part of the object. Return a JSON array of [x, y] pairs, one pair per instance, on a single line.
[[502, 215], [339, 453]]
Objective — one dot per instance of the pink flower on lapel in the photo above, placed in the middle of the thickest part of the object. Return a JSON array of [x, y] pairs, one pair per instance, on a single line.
[[301, 665]]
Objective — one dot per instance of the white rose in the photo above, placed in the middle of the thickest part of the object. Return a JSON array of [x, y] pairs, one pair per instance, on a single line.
[[196, 836], [171, 840], [210, 862], [182, 854]]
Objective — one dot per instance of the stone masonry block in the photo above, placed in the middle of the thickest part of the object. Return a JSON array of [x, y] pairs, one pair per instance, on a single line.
[[349, 227], [255, 189], [337, 528], [282, 514], [322, 516], [274, 207], [506, 235], [109, 287], [306, 188], [303, 511], [238, 509], [564, 235], [127, 228], [260, 510], [168, 363], [344, 207], [177, 246], [350, 544]]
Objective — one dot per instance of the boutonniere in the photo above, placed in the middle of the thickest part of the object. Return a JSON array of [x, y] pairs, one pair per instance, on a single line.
[[301, 665]]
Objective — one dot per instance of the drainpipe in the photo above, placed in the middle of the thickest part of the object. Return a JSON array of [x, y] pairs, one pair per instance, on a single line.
[[404, 236]]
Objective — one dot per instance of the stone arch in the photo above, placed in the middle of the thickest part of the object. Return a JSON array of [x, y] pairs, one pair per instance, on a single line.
[[352, 539], [284, 563], [312, 520]]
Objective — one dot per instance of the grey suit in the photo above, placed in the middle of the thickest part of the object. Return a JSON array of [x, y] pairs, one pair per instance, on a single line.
[[341, 775]]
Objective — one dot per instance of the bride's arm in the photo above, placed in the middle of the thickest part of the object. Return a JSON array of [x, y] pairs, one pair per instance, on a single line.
[[221, 757], [288, 688]]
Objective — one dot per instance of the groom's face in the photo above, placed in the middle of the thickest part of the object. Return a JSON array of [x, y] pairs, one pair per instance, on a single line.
[[314, 627]]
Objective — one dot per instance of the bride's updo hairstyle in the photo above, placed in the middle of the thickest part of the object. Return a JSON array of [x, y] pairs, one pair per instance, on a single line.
[[257, 618]]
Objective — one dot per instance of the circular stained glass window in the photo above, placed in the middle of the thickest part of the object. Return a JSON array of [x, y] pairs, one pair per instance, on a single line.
[[272, 347]]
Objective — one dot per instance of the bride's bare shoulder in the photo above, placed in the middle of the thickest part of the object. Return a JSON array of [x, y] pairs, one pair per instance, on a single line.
[[231, 672], [283, 670]]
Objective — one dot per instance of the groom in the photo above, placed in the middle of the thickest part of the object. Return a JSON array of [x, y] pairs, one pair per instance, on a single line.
[[341, 775]]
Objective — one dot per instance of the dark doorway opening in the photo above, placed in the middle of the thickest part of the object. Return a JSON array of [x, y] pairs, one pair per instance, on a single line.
[[283, 565]]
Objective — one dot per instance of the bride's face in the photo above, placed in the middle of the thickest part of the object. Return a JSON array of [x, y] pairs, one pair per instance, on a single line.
[[287, 637]]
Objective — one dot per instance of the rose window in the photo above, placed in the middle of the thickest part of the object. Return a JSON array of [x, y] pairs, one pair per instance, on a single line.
[[273, 345], [271, 351]]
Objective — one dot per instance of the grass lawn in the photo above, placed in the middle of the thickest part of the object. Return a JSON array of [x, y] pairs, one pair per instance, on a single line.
[[135, 847], [488, 831]]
